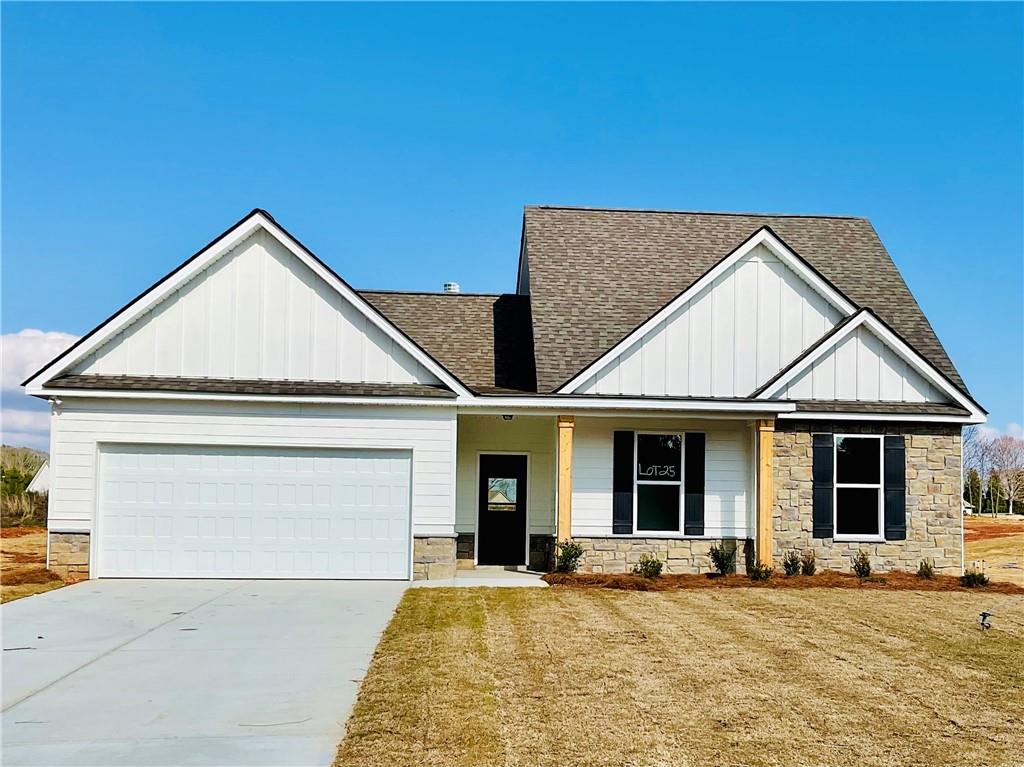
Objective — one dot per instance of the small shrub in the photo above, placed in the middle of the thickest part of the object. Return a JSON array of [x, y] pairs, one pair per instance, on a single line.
[[808, 565], [973, 579], [760, 572], [649, 566], [791, 563], [567, 556], [926, 569], [862, 565], [723, 559]]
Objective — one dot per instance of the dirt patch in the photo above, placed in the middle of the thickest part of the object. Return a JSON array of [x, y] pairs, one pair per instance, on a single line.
[[894, 581], [33, 575], [22, 565], [979, 529]]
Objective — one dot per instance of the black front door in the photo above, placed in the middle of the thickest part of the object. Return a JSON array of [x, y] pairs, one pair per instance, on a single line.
[[501, 532]]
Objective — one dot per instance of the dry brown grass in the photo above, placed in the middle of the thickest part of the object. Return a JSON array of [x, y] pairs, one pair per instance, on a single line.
[[567, 676], [23, 563], [999, 543]]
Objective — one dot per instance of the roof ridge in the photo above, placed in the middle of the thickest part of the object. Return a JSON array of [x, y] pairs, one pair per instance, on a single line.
[[735, 214], [431, 293]]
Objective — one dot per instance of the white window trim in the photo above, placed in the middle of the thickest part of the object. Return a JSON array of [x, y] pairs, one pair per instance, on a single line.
[[880, 487], [681, 483]]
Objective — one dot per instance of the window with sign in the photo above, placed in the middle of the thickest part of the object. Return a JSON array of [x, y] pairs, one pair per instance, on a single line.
[[659, 481]]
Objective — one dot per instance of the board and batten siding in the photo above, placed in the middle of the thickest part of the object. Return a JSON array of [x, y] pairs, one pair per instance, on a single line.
[[728, 339], [861, 367], [83, 426], [257, 312], [534, 435], [728, 472]]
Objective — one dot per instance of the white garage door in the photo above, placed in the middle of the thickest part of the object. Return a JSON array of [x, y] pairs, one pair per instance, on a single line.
[[234, 512]]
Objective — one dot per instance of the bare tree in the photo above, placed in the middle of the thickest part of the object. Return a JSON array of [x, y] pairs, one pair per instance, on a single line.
[[976, 447], [1007, 461]]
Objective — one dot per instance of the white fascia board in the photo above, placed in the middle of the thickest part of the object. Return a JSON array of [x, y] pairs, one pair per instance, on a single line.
[[803, 415], [201, 261], [763, 236], [896, 344]]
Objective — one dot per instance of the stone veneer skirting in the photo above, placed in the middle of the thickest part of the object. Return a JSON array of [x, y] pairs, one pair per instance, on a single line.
[[433, 558], [680, 555], [69, 556], [934, 517]]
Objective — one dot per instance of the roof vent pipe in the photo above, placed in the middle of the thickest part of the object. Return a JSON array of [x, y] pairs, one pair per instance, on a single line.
[[451, 287]]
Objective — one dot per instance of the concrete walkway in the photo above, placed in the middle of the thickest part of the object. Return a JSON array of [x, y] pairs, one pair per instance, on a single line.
[[492, 577], [206, 672]]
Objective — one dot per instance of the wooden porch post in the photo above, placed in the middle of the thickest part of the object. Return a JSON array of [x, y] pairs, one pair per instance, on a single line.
[[765, 489], [566, 423]]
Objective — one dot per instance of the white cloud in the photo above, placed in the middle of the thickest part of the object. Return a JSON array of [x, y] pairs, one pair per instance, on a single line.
[[26, 421], [28, 350], [1012, 429]]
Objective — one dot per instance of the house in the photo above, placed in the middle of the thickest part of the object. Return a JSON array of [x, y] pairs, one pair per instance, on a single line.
[[40, 480], [657, 382]]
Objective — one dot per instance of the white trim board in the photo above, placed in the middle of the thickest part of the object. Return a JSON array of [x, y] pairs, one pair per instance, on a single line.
[[865, 317], [202, 260], [763, 236]]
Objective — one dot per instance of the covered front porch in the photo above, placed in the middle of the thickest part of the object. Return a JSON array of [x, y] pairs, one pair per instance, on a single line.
[[524, 481]]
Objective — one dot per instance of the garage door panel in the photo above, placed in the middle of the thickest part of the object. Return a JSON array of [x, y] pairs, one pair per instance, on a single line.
[[253, 512]]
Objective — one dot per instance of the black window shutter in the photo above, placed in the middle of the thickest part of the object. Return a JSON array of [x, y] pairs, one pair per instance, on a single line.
[[895, 489], [693, 485], [822, 474], [622, 483]]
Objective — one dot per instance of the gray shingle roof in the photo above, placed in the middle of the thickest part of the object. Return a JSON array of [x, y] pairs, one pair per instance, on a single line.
[[596, 274], [483, 340], [237, 386]]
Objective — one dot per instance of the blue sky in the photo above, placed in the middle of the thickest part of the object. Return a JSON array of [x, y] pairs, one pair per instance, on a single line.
[[400, 143]]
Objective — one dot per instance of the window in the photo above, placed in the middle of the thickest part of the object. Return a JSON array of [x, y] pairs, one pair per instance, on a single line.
[[501, 494], [858, 487], [659, 481]]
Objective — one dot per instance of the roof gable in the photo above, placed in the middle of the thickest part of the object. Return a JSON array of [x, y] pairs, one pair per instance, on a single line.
[[254, 303], [745, 319], [597, 275], [863, 360]]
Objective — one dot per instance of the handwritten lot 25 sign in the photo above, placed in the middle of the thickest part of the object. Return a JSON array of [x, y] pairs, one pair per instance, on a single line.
[[658, 457]]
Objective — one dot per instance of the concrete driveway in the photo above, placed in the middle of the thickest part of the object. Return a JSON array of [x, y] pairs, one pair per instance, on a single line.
[[207, 672]]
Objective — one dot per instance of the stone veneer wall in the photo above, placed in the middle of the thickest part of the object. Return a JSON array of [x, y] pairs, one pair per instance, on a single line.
[[934, 516], [680, 555], [69, 556], [433, 558]]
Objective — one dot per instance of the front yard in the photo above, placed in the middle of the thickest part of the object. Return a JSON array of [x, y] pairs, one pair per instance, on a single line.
[[565, 676], [23, 568]]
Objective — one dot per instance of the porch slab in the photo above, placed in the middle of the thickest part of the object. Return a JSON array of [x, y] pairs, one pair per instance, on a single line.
[[494, 578]]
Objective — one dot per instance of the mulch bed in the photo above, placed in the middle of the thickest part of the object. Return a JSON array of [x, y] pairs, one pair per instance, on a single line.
[[891, 581], [18, 532]]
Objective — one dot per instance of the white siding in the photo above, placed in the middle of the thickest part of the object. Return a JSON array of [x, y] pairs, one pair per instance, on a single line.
[[84, 425], [861, 367], [728, 474], [523, 434], [257, 312], [728, 339]]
